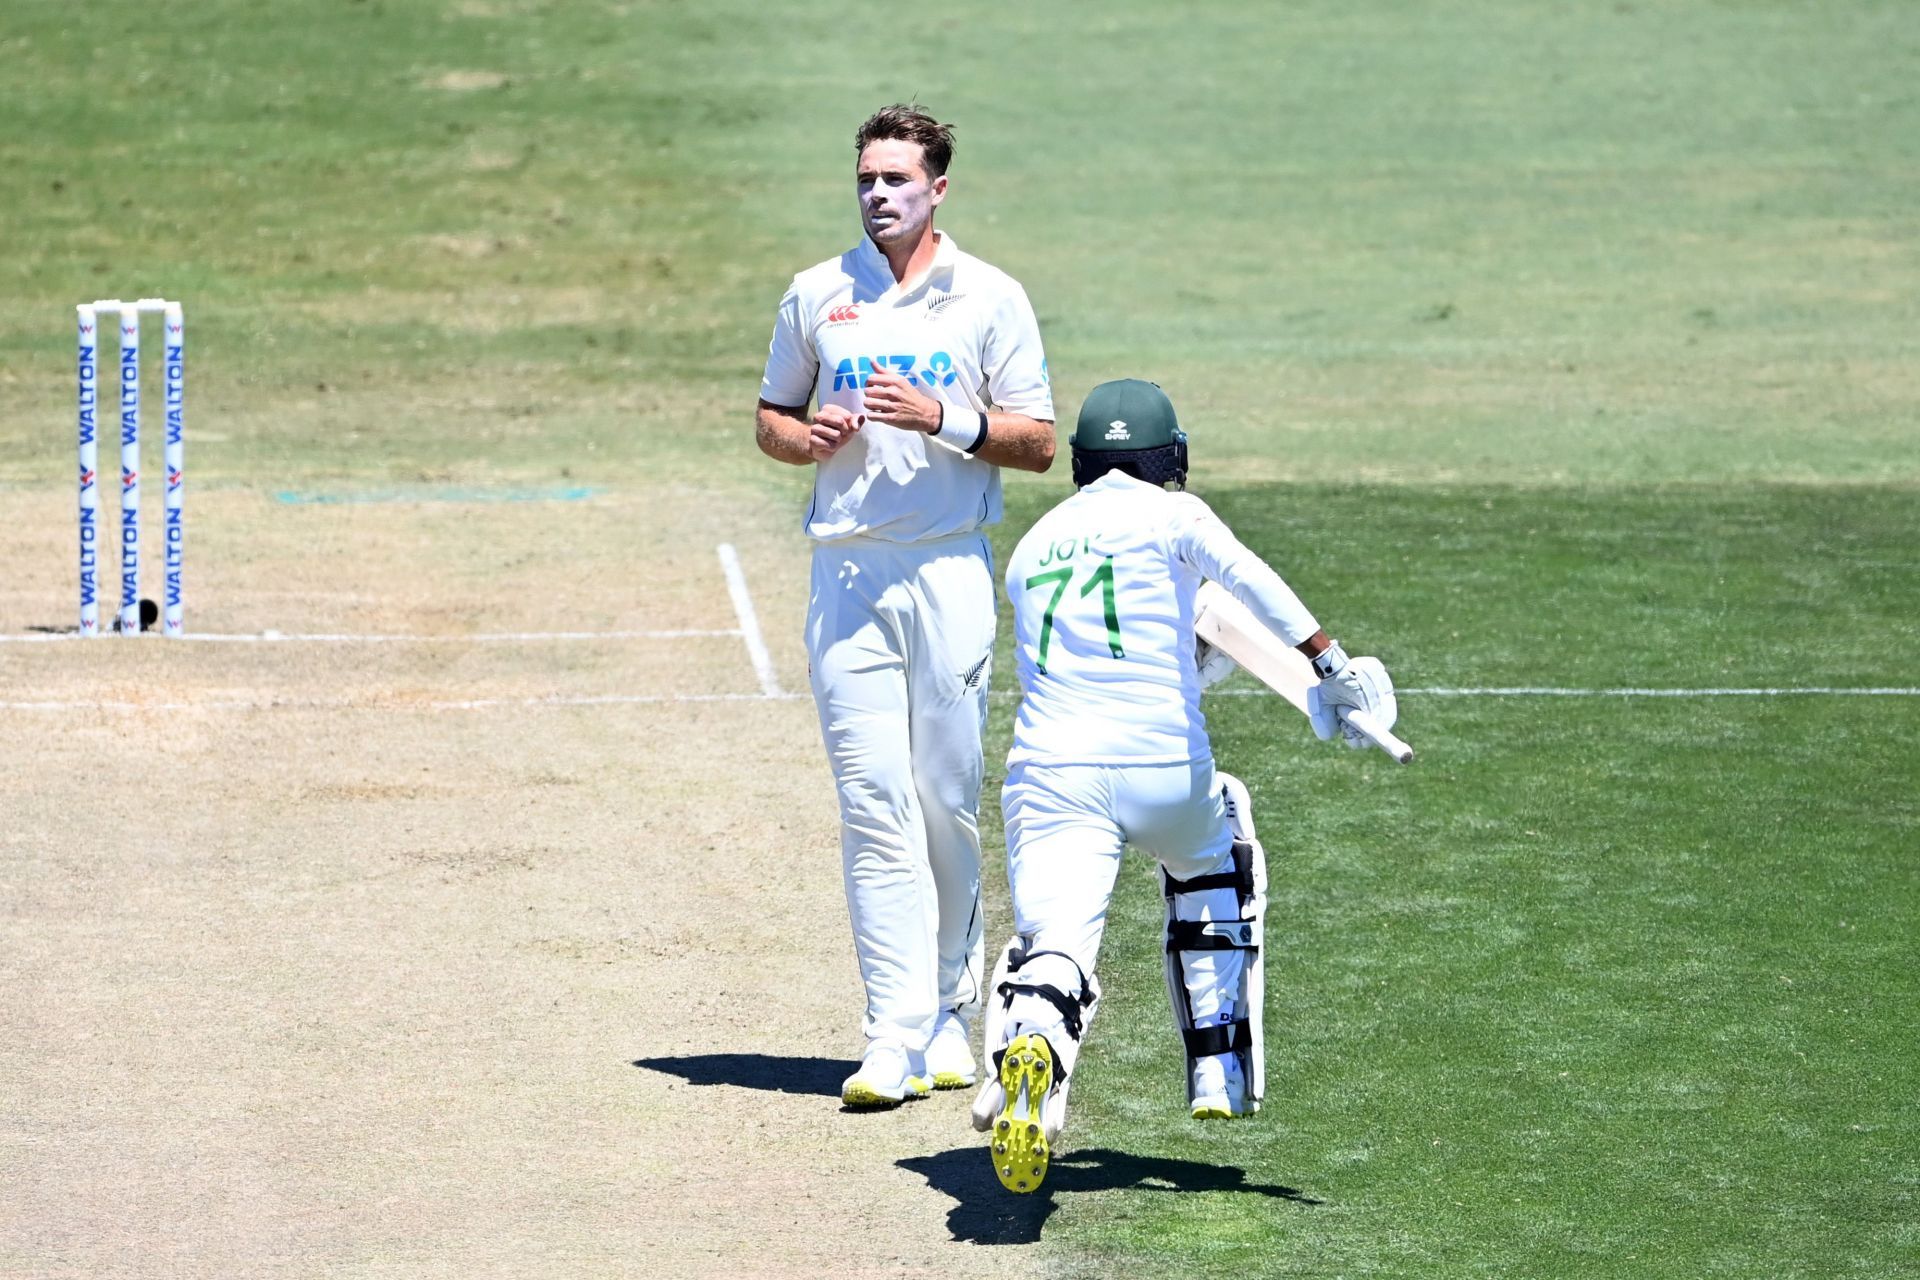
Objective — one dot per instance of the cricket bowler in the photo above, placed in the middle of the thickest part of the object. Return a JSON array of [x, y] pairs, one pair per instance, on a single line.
[[926, 374]]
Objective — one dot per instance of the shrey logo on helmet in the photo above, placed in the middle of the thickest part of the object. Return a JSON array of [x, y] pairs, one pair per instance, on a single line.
[[1129, 425]]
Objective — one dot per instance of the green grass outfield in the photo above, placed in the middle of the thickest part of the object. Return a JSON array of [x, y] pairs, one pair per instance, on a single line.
[[1600, 985], [1540, 344]]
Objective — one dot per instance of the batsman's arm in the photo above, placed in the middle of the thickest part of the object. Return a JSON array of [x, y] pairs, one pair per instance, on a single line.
[[1224, 622], [1203, 541], [1315, 645]]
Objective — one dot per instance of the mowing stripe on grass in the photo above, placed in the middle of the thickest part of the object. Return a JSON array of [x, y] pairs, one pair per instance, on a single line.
[[449, 493]]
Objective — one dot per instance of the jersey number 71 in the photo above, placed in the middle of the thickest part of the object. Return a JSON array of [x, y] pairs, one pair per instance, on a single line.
[[1058, 579]]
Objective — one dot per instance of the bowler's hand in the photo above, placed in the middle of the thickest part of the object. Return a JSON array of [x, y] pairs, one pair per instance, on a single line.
[[898, 403], [832, 427]]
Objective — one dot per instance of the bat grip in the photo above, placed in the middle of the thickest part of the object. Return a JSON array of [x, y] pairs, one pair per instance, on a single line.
[[1383, 738]]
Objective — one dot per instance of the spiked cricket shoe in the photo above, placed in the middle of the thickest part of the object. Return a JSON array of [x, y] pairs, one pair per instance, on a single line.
[[1219, 1090], [1018, 1142], [949, 1057], [888, 1076]]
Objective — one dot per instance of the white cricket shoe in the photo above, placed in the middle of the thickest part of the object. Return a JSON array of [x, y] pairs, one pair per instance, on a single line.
[[949, 1056], [889, 1075], [1219, 1089]]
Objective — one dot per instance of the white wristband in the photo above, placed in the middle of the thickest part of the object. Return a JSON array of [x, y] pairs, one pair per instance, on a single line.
[[1330, 661], [964, 439]]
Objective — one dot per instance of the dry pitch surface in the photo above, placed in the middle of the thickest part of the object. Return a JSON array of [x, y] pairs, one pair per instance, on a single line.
[[315, 968]]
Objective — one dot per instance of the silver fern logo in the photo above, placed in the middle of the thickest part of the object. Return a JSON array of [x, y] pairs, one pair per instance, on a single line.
[[939, 302]]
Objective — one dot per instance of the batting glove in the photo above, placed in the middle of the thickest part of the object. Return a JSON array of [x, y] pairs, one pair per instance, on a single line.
[[1359, 684], [1213, 664]]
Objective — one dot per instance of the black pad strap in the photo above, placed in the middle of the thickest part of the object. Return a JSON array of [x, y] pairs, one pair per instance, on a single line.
[[1220, 880], [1239, 878], [1204, 1042], [1210, 935], [1070, 1007], [1019, 958]]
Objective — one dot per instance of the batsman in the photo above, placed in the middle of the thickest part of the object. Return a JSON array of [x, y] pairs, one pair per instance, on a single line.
[[1110, 748]]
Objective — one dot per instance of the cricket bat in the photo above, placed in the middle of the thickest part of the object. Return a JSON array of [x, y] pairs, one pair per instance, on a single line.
[[1230, 626]]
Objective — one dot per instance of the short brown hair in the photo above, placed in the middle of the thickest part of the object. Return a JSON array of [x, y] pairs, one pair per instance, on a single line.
[[906, 122]]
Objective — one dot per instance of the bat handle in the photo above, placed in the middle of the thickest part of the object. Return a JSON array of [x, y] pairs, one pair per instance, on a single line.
[[1380, 737]]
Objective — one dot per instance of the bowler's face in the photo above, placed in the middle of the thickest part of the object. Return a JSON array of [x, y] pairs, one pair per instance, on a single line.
[[897, 199]]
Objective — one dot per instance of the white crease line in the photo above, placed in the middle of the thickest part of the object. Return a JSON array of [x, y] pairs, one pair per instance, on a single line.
[[492, 637], [669, 699], [1524, 691], [611, 700], [749, 624], [394, 704]]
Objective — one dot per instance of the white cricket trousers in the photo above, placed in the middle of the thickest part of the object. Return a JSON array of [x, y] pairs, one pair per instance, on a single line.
[[1066, 827], [900, 642]]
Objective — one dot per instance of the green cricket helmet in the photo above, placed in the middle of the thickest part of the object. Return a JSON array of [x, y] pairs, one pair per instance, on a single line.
[[1129, 425]]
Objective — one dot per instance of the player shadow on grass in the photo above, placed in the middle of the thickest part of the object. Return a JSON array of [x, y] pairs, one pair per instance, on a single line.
[[756, 1071], [986, 1213]]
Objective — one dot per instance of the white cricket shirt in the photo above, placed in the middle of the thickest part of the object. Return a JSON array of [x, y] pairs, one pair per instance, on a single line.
[[1102, 589], [964, 333]]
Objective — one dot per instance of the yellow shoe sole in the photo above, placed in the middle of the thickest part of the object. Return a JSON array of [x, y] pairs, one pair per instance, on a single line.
[[952, 1080], [861, 1094], [1212, 1113], [1019, 1143]]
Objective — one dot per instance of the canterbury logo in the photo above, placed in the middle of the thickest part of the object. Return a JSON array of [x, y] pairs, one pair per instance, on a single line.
[[972, 678], [841, 315]]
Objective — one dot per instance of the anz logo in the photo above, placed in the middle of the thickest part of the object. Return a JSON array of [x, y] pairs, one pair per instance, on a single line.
[[938, 371]]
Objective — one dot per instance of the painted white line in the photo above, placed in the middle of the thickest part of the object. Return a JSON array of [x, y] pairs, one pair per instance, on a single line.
[[489, 637], [749, 624], [1825, 691], [406, 704], [1544, 691], [377, 703], [611, 700]]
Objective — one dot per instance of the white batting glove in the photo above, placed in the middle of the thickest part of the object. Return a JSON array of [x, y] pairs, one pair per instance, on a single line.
[[1358, 684], [1213, 663]]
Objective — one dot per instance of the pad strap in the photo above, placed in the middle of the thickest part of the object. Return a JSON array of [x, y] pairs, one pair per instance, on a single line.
[[1239, 877], [1210, 935], [1204, 1042], [1070, 1007]]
